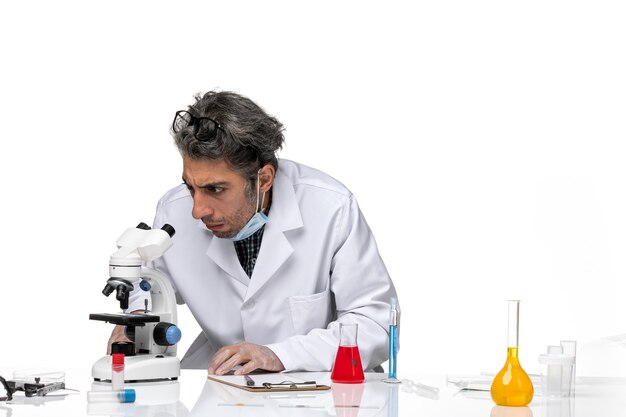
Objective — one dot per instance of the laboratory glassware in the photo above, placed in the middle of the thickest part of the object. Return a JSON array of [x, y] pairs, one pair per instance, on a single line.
[[392, 377], [512, 386], [348, 368], [569, 348], [117, 371], [557, 369], [127, 395]]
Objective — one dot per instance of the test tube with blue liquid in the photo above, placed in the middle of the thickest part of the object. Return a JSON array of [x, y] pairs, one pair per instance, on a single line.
[[393, 343]]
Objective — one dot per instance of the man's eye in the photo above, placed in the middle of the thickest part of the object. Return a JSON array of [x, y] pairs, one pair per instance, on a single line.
[[217, 190]]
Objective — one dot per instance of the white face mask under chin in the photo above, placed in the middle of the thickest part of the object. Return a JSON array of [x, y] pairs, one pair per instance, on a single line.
[[257, 221]]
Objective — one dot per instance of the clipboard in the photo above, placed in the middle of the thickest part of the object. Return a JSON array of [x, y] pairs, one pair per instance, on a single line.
[[269, 383]]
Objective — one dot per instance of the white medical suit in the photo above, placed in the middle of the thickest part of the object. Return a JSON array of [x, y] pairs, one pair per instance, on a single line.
[[318, 266]]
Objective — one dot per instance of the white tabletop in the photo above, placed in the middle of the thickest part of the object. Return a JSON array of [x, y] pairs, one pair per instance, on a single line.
[[194, 395]]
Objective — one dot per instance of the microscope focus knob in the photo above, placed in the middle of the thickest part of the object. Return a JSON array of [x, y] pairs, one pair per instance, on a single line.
[[166, 334]]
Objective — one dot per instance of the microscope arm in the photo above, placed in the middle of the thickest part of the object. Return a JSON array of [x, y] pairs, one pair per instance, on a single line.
[[162, 293]]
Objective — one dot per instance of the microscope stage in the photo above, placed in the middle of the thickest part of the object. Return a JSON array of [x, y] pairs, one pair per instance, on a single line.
[[126, 319]]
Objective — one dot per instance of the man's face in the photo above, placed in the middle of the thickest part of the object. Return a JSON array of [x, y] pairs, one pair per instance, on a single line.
[[220, 196]]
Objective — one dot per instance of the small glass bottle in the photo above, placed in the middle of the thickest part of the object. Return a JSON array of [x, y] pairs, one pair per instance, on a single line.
[[348, 368], [117, 371], [512, 386]]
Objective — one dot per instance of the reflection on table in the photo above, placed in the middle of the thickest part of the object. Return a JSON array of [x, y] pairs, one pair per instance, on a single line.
[[343, 400], [194, 395], [152, 399]]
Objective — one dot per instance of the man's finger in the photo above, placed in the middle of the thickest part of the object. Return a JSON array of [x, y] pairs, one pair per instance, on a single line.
[[247, 368], [229, 364], [220, 357]]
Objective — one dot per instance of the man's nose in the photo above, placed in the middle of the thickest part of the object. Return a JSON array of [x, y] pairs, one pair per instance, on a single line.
[[201, 207]]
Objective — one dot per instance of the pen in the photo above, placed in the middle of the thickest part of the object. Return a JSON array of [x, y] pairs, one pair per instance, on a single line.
[[291, 385], [249, 381]]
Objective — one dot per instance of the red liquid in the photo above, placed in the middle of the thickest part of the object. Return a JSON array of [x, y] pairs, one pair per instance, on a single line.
[[348, 368]]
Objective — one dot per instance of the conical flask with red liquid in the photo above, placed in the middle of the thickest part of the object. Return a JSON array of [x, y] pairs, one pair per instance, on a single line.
[[348, 368]]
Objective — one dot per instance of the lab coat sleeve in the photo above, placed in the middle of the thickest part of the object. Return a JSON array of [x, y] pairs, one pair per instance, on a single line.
[[362, 290]]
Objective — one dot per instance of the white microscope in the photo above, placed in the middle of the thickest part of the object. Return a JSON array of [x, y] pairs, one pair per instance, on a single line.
[[152, 356]]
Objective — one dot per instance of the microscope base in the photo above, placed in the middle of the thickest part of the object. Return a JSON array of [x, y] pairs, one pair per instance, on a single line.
[[144, 367]]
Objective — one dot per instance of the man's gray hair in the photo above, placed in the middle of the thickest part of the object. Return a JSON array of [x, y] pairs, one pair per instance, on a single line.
[[249, 140]]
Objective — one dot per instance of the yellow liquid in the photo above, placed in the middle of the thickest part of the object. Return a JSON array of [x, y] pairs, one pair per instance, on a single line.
[[512, 386]]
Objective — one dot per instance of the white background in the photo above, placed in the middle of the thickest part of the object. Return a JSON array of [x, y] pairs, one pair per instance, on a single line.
[[484, 141]]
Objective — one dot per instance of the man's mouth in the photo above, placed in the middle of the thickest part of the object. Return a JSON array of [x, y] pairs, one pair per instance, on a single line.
[[214, 226]]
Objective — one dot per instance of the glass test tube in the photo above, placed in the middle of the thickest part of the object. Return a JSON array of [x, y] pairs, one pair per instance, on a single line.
[[121, 396], [117, 371]]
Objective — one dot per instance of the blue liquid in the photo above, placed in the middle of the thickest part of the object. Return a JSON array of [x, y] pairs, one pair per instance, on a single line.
[[393, 350]]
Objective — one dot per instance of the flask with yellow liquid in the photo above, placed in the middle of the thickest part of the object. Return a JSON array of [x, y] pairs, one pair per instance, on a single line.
[[512, 386]]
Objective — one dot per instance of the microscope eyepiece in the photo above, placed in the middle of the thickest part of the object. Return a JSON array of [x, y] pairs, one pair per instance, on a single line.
[[169, 229], [166, 227], [143, 226]]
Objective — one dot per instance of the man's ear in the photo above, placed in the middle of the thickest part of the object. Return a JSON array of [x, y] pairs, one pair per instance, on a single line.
[[266, 177]]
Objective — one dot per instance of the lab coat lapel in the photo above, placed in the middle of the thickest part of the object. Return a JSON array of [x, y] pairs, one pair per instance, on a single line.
[[223, 253], [275, 249]]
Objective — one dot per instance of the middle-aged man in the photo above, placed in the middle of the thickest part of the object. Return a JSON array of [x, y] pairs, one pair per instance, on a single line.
[[269, 255]]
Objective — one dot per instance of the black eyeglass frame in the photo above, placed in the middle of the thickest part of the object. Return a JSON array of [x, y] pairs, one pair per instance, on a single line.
[[193, 121]]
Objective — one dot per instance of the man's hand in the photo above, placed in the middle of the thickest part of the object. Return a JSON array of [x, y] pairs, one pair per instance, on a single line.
[[249, 355], [117, 335]]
